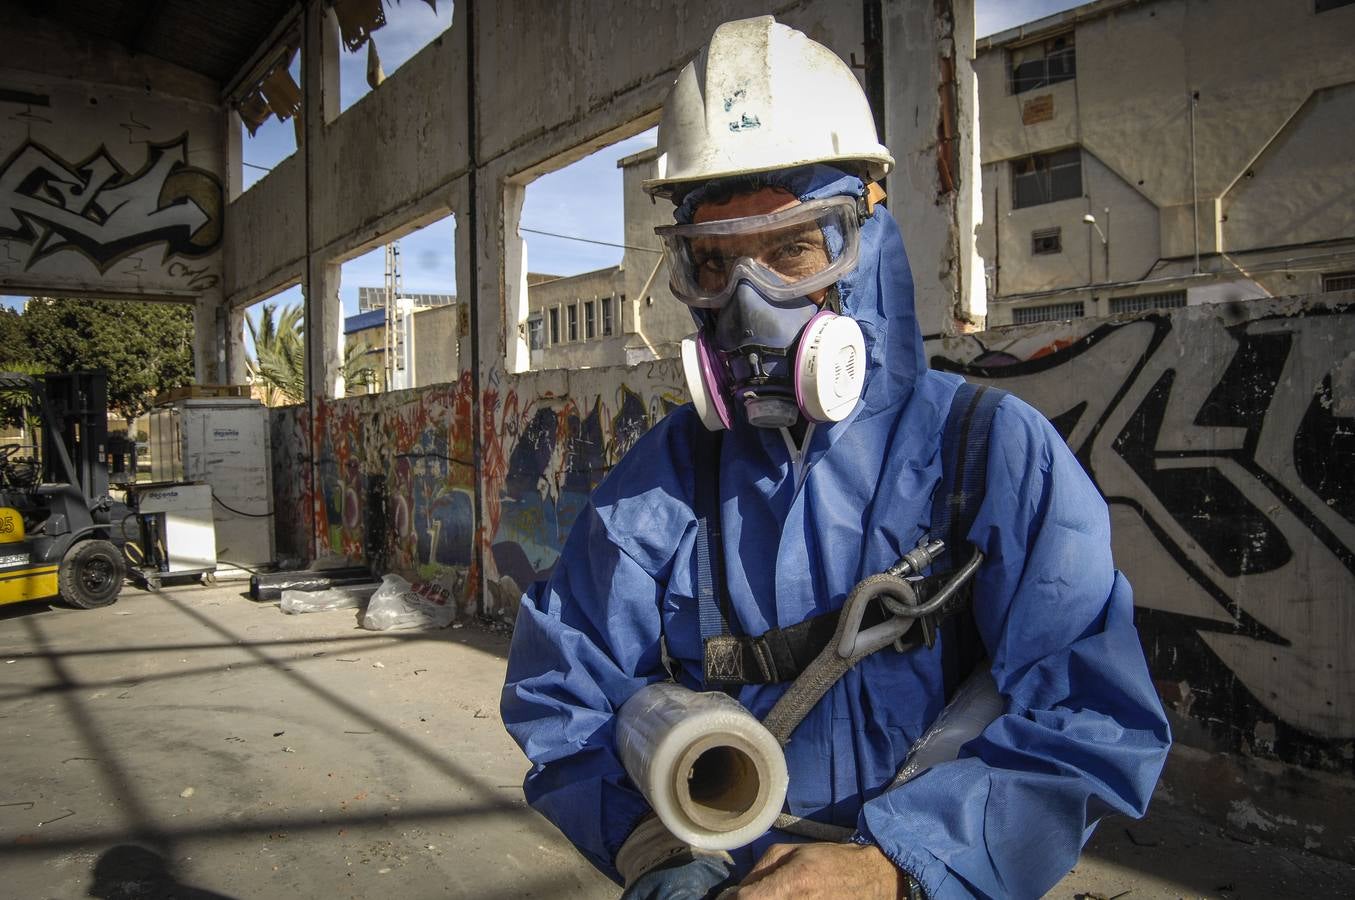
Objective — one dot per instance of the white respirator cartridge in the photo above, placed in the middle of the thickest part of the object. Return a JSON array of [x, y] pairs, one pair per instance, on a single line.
[[714, 775]]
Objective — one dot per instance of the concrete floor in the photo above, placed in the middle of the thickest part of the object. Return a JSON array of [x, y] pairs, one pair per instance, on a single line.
[[194, 744]]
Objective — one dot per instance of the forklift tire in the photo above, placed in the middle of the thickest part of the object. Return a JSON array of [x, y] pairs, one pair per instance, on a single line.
[[91, 574]]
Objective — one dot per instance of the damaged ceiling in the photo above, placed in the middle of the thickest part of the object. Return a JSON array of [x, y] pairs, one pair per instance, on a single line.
[[214, 38]]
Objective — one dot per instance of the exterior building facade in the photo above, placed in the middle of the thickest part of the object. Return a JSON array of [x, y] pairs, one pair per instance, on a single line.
[[1143, 154], [430, 347], [618, 316]]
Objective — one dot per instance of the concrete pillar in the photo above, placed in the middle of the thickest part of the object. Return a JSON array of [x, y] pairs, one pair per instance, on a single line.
[[324, 313], [517, 355], [235, 156], [205, 344], [324, 331], [931, 120], [235, 345]]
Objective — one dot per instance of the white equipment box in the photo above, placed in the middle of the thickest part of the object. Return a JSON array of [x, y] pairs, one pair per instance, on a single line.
[[222, 442], [177, 520]]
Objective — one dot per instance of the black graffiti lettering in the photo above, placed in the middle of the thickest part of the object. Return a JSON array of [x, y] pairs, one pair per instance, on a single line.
[[1238, 537], [99, 209], [1064, 423], [1324, 453]]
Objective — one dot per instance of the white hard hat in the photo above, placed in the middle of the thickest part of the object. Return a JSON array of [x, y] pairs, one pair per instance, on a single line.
[[762, 96]]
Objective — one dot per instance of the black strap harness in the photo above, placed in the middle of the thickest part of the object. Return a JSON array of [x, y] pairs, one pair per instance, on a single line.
[[781, 654]]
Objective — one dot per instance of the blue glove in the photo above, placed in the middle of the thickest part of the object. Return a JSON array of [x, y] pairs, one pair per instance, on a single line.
[[686, 876]]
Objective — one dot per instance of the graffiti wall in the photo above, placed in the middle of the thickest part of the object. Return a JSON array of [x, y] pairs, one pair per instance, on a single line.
[[392, 482], [100, 190], [1223, 439]]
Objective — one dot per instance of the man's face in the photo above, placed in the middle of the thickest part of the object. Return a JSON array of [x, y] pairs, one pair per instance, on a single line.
[[794, 252]]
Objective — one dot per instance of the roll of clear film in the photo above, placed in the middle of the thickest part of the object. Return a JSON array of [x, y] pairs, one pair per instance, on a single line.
[[714, 775]]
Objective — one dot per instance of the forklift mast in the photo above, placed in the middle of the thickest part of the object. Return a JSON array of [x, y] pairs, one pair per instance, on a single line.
[[75, 410]]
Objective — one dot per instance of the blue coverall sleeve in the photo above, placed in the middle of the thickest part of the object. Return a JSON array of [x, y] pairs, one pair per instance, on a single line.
[[576, 656], [1083, 734]]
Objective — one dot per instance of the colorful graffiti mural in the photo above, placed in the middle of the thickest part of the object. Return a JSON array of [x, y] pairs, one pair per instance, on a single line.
[[1223, 439], [395, 474], [106, 213]]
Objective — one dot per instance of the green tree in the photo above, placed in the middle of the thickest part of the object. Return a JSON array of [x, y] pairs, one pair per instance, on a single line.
[[16, 355], [279, 360], [144, 347]]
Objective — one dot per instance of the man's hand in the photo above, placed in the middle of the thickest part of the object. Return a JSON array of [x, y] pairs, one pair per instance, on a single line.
[[808, 871]]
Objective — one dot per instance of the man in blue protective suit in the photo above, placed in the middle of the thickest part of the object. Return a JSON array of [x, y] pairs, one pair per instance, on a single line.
[[808, 370]]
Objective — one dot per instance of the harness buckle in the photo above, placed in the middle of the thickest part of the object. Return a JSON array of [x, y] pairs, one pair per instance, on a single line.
[[898, 596]]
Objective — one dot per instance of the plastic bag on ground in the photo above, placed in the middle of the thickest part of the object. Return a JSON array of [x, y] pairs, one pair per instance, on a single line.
[[321, 601], [397, 604]]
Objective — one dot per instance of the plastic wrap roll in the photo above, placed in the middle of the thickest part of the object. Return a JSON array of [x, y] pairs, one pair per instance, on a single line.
[[714, 775]]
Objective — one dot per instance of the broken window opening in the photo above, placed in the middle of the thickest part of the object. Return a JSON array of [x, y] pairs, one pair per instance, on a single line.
[[379, 36], [1043, 63], [402, 326], [1046, 177], [275, 347], [588, 224], [267, 135]]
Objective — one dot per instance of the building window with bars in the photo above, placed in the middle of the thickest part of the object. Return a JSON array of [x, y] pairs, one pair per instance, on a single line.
[[536, 336], [555, 326], [1051, 312], [1043, 63], [572, 320], [606, 316], [1338, 281], [1046, 177], [1141, 302], [1046, 240], [589, 320]]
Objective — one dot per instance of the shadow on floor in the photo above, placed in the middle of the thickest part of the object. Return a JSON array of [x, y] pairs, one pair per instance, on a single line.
[[129, 872]]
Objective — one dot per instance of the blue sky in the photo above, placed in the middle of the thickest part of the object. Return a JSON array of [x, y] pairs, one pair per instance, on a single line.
[[583, 200]]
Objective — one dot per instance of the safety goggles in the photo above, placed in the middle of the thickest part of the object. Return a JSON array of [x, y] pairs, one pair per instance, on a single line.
[[788, 254]]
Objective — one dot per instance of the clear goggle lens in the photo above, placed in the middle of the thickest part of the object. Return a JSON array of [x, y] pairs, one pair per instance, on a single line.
[[787, 254]]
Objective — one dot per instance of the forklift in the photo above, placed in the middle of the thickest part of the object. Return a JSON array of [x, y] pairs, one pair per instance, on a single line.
[[60, 530]]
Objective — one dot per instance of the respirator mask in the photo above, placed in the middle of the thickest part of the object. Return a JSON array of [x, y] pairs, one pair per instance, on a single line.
[[771, 335]]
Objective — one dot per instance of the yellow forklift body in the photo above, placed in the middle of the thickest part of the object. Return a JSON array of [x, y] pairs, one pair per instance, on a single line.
[[19, 579], [32, 583], [11, 525]]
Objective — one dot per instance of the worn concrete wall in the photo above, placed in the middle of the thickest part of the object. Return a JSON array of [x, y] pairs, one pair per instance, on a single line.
[[437, 357], [111, 174], [266, 234], [931, 119], [1271, 143]]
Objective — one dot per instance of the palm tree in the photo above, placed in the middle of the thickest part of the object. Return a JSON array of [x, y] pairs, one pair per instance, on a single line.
[[279, 361]]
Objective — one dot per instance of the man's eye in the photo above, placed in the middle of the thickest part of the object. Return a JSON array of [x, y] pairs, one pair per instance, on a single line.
[[793, 250]]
